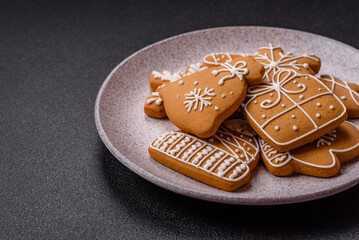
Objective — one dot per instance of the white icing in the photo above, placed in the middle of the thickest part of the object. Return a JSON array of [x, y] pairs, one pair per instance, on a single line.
[[295, 128], [319, 104], [180, 82], [207, 157], [156, 99], [231, 93], [285, 61], [216, 108], [263, 116], [167, 76], [283, 105], [238, 69], [276, 128], [195, 98], [318, 115], [195, 83], [353, 94], [331, 107], [301, 96], [293, 116], [286, 157], [223, 95], [264, 88]]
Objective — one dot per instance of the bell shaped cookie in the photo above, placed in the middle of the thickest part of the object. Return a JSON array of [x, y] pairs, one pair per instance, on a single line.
[[321, 158], [348, 93], [200, 102], [223, 161]]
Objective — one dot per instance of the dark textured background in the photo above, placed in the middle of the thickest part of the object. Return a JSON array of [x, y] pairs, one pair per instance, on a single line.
[[57, 180]]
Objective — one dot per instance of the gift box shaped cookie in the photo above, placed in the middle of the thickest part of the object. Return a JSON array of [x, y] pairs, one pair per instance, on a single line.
[[293, 110], [291, 107]]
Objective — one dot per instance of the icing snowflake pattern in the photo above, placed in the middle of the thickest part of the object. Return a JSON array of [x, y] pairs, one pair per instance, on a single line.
[[238, 69], [195, 98], [285, 60]]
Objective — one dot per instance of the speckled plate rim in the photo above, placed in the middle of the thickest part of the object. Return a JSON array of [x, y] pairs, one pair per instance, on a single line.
[[203, 195]]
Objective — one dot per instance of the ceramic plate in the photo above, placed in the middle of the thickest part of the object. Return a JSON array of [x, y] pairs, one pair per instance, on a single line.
[[127, 131]]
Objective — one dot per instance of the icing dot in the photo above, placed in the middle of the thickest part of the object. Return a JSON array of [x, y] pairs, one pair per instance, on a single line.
[[178, 96], [216, 108], [244, 144], [223, 95], [283, 105], [248, 149], [271, 94], [231, 92], [195, 83], [319, 89], [228, 138], [223, 56], [295, 81], [295, 128], [237, 150], [211, 139], [221, 153], [331, 107], [250, 140], [293, 116], [306, 65], [317, 115], [318, 104], [301, 96], [221, 135], [180, 83], [300, 85], [242, 156], [241, 136], [276, 128], [263, 116], [343, 97], [255, 101], [306, 77]]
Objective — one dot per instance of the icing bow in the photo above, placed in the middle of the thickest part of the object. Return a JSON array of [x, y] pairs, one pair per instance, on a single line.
[[237, 69], [276, 85]]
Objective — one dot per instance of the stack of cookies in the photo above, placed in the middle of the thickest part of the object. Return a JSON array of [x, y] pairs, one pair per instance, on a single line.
[[233, 108]]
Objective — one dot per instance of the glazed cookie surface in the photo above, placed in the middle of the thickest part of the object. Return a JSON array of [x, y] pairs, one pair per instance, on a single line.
[[291, 107], [200, 102], [223, 161], [348, 93], [321, 158]]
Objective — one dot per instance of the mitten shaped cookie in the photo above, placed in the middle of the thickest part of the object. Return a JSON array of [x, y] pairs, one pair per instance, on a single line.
[[223, 161], [348, 93], [321, 158], [200, 102], [274, 60]]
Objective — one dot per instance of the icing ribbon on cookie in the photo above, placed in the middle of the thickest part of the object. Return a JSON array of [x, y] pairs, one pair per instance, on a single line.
[[345, 85], [238, 69]]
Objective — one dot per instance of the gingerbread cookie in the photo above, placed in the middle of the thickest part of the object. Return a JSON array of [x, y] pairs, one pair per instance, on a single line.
[[154, 106], [348, 93], [223, 161], [321, 158], [275, 60], [292, 107], [216, 59], [159, 78], [200, 102]]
